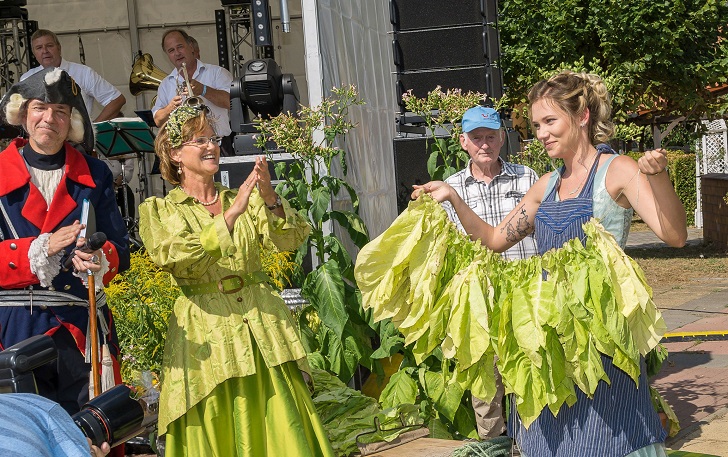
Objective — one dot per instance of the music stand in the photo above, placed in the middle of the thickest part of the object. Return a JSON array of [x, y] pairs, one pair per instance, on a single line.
[[121, 139], [122, 136]]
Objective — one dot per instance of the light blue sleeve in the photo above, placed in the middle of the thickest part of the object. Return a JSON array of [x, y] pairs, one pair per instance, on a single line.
[[33, 426]]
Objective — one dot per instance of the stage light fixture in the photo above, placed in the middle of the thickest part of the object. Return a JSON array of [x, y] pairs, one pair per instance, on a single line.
[[263, 89]]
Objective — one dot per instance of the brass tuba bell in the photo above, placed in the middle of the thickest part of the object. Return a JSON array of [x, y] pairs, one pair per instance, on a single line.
[[145, 75]]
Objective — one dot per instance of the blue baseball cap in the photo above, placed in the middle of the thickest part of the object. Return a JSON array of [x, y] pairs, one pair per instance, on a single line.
[[480, 116]]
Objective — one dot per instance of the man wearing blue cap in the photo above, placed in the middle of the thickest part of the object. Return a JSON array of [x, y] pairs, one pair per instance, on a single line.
[[491, 187]]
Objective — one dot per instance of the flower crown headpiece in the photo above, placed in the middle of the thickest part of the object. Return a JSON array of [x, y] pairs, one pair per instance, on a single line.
[[177, 119]]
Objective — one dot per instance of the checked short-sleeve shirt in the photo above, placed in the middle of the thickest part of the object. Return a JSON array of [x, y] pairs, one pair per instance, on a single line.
[[493, 201]]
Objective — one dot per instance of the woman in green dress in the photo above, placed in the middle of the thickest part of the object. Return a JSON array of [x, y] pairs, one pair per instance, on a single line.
[[232, 382]]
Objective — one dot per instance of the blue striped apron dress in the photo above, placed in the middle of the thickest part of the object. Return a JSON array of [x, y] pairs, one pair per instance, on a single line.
[[620, 418]]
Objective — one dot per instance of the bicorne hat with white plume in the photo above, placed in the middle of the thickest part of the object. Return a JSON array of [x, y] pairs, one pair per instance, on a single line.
[[50, 85]]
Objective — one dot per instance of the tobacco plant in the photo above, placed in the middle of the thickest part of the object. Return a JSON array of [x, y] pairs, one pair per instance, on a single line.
[[310, 183], [442, 113]]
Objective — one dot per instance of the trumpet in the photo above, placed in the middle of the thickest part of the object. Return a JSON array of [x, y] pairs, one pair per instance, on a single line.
[[192, 101]]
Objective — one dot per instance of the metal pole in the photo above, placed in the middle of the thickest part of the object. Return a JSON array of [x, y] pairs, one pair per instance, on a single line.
[[134, 40], [285, 17], [314, 77], [17, 49]]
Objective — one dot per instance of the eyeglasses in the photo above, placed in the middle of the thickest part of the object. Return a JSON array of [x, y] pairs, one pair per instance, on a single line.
[[202, 141]]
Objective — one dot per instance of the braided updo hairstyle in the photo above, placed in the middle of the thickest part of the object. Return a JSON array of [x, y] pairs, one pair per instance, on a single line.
[[574, 93]]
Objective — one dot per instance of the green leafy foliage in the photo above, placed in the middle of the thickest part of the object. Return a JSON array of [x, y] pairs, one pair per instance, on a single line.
[[310, 184], [400, 389], [141, 300], [653, 361], [658, 401], [534, 156], [682, 174], [633, 45], [347, 413], [681, 167], [466, 304]]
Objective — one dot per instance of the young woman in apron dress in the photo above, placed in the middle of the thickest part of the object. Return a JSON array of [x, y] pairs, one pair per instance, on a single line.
[[570, 114]]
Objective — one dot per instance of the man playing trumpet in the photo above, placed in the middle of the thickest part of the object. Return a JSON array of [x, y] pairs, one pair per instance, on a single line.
[[210, 82]]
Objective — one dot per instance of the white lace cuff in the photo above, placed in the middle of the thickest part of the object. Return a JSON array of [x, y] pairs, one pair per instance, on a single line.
[[98, 276], [44, 267]]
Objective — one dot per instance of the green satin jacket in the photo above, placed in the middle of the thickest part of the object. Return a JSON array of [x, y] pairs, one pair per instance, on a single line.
[[209, 336]]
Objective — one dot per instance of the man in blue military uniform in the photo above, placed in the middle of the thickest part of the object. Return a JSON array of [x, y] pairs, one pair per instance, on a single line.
[[43, 281]]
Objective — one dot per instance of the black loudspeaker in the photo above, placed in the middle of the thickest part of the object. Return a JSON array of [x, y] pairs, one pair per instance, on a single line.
[[451, 44], [425, 14], [410, 167], [467, 79], [438, 48], [511, 145], [11, 11]]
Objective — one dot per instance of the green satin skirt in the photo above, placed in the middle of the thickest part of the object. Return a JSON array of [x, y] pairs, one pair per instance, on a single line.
[[267, 414]]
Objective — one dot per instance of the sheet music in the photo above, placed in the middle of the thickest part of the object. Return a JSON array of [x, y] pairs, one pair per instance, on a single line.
[[123, 119]]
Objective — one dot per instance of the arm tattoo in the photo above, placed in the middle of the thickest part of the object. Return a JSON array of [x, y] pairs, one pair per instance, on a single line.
[[522, 227]]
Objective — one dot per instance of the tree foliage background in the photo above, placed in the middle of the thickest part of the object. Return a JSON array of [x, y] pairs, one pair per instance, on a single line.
[[652, 53]]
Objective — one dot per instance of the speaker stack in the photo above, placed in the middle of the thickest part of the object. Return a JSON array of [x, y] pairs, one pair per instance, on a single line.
[[453, 44]]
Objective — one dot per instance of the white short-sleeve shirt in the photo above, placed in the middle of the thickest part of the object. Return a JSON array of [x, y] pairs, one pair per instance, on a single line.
[[93, 86], [210, 75]]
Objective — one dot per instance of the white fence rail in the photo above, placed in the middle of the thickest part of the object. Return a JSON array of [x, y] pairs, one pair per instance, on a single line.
[[712, 157]]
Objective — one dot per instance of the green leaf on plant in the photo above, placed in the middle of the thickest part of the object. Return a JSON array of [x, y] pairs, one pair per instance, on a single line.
[[400, 389], [438, 429], [332, 183], [432, 164], [352, 196], [324, 288], [338, 253], [315, 359], [465, 422], [279, 168], [354, 226], [321, 198], [308, 334], [390, 340]]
